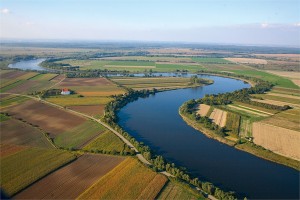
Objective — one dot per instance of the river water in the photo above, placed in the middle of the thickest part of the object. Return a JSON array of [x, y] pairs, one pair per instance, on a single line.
[[156, 122], [28, 65]]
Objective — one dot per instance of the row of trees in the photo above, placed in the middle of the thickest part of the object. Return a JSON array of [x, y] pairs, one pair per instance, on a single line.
[[159, 163]]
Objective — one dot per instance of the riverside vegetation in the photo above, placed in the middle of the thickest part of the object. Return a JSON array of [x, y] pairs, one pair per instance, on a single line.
[[158, 162], [211, 129]]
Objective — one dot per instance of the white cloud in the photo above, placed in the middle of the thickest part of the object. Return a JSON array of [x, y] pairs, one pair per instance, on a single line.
[[5, 11]]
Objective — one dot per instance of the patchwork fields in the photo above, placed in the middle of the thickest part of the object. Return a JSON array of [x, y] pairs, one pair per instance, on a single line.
[[71, 180], [129, 180], [22, 168]]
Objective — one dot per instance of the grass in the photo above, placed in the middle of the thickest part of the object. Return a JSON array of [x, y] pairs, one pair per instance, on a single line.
[[129, 180], [154, 82], [10, 86], [233, 123], [12, 100], [23, 168], [210, 60], [132, 63], [276, 80], [28, 75], [107, 142], [269, 155], [44, 77], [278, 98], [3, 118], [79, 135], [74, 100], [174, 67], [177, 190]]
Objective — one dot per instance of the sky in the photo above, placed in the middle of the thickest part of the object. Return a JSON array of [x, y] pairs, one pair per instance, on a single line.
[[250, 22]]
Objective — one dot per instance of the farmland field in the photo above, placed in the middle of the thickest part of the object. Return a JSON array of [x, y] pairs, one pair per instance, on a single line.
[[247, 60], [203, 110], [233, 123], [71, 180], [174, 190], [79, 135], [280, 140], [129, 180], [92, 110], [44, 77], [91, 86], [24, 167], [219, 117], [10, 100], [9, 149], [153, 82], [74, 100], [19, 133], [107, 142], [211, 60], [48, 118]]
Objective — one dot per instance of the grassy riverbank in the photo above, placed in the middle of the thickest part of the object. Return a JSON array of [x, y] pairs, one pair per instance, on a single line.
[[247, 146]]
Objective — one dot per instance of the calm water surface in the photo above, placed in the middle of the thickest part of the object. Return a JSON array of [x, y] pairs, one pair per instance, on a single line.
[[28, 65], [156, 122]]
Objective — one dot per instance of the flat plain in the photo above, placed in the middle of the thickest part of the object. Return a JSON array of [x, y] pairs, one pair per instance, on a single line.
[[71, 180]]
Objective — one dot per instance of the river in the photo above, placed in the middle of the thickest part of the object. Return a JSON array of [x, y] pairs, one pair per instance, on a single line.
[[28, 65], [156, 122]]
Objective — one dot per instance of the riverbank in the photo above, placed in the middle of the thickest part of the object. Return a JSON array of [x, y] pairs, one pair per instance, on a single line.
[[246, 147]]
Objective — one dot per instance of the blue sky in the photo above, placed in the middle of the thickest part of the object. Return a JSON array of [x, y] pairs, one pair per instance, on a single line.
[[272, 22]]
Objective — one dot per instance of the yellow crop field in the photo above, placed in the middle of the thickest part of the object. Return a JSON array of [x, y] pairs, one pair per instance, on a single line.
[[277, 139], [219, 117], [76, 101], [129, 180], [203, 109]]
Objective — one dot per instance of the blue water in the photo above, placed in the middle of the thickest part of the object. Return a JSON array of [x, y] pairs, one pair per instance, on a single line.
[[28, 65], [156, 122]]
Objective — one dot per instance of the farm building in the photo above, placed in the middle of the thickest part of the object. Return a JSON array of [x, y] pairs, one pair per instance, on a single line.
[[65, 91]]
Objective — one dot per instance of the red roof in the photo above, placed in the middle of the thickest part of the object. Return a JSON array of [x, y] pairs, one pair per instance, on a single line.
[[65, 90]]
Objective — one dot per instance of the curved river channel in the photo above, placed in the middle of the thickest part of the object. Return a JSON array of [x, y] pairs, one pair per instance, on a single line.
[[156, 122]]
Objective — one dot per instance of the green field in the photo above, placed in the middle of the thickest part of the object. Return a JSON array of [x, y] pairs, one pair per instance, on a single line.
[[210, 60], [178, 191], [12, 85], [107, 142], [12, 100], [44, 77], [278, 98], [276, 80], [79, 135], [153, 82], [23, 168], [233, 123]]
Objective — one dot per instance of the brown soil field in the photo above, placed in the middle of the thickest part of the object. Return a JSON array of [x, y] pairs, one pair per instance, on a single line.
[[72, 180], [9, 149], [22, 88], [12, 75], [247, 60], [277, 139], [101, 93], [68, 82], [48, 118], [89, 110], [19, 133], [219, 117], [203, 110]]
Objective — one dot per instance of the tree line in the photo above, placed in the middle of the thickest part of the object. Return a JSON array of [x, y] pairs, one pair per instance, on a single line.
[[159, 163]]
